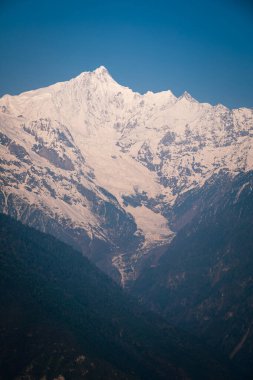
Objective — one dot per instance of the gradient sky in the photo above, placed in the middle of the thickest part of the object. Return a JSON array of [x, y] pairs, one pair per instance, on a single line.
[[204, 47]]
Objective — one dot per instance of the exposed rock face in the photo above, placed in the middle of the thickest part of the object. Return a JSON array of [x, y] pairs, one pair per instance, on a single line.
[[104, 166]]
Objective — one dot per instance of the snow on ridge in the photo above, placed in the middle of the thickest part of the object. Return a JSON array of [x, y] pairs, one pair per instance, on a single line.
[[99, 73]]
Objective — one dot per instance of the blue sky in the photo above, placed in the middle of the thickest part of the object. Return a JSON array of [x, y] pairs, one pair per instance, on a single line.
[[203, 47]]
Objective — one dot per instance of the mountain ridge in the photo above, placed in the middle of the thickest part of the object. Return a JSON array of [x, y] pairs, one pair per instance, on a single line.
[[203, 281], [62, 317], [103, 164]]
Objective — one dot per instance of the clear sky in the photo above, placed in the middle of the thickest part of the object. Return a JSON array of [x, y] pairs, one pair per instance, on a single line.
[[204, 47]]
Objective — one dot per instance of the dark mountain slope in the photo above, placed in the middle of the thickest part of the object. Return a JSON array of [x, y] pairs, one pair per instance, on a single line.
[[61, 316], [204, 281]]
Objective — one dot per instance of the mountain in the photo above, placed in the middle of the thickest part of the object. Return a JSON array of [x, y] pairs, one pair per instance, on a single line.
[[62, 318], [101, 167], [203, 282]]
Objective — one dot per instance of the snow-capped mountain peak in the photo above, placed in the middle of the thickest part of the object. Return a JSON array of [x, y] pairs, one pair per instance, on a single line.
[[101, 70], [101, 162], [188, 97], [100, 74]]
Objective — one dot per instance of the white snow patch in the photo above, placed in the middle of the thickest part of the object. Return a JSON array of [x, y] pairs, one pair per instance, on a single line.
[[153, 225]]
